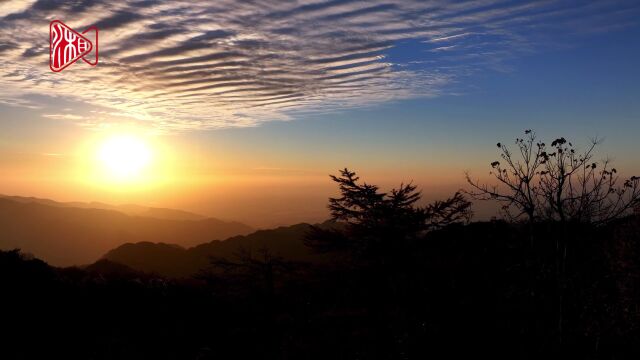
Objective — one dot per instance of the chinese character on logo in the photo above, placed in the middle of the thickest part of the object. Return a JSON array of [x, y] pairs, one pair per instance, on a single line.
[[66, 46]]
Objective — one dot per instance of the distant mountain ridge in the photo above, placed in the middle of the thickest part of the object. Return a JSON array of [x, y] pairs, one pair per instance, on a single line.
[[129, 209], [66, 234], [175, 261]]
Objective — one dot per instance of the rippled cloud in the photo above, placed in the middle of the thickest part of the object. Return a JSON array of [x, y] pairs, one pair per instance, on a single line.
[[181, 65]]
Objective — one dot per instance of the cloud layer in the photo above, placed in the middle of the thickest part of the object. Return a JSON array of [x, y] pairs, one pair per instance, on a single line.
[[178, 65]]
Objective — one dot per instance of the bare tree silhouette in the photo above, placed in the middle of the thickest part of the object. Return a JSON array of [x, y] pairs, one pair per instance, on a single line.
[[557, 182]]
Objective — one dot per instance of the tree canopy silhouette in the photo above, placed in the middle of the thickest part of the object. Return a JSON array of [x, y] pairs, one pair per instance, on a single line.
[[557, 183], [378, 222]]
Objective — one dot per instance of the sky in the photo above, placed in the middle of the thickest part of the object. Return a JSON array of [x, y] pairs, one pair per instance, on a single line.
[[248, 106]]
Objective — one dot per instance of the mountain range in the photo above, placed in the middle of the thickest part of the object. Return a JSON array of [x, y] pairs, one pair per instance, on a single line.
[[175, 261], [129, 209], [65, 234]]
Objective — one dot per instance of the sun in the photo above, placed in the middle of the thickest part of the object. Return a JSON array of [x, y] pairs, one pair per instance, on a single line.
[[124, 157]]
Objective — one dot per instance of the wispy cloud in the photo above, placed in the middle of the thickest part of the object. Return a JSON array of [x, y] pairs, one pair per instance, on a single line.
[[64, 116], [183, 65]]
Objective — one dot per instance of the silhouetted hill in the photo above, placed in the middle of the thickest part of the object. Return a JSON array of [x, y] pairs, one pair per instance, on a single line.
[[175, 261], [110, 268], [160, 258], [64, 235]]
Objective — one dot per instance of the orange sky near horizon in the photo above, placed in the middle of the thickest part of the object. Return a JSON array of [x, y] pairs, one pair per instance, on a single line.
[[262, 189], [245, 174]]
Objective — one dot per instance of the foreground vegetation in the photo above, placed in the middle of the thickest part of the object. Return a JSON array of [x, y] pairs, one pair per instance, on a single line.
[[489, 288]]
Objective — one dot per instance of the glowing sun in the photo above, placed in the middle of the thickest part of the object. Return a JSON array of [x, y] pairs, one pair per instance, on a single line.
[[124, 157]]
